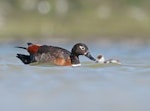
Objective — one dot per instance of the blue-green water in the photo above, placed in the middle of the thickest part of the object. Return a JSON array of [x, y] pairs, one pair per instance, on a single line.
[[91, 87]]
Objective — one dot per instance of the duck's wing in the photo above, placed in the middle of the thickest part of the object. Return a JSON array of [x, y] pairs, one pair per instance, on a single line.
[[51, 53]]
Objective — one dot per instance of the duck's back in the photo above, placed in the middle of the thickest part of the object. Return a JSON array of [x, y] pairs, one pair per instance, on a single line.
[[52, 54]]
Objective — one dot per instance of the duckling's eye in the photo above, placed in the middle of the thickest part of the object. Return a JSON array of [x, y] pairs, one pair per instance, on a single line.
[[82, 47]]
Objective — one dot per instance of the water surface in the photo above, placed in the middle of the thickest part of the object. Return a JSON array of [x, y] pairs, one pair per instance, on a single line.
[[91, 87]]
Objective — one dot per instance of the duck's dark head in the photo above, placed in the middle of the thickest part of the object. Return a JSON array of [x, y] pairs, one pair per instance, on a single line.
[[82, 49]]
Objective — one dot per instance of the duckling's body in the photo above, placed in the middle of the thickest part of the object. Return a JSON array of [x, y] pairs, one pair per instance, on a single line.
[[100, 59]]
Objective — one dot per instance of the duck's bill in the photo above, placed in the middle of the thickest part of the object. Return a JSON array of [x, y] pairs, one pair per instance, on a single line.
[[90, 56]]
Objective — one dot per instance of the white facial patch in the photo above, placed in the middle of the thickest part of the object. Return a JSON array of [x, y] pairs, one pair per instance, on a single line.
[[85, 53], [82, 47]]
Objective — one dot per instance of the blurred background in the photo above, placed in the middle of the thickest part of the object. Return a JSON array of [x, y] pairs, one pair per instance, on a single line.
[[109, 19], [118, 29]]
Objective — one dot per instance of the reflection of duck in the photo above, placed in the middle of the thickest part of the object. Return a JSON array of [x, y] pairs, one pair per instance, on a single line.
[[100, 59], [55, 55]]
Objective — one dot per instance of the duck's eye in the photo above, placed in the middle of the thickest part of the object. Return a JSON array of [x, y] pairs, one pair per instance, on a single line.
[[82, 47]]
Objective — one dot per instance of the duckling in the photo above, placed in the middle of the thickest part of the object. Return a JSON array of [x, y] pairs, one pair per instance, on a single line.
[[100, 59]]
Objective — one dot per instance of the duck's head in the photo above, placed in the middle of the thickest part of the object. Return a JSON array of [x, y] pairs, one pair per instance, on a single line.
[[82, 49]]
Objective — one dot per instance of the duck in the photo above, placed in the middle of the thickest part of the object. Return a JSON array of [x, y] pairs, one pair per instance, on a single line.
[[55, 55], [100, 59]]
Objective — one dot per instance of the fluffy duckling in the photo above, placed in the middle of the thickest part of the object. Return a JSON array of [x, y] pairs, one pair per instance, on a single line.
[[100, 59]]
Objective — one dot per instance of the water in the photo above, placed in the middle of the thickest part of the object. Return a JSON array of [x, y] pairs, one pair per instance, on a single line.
[[91, 87]]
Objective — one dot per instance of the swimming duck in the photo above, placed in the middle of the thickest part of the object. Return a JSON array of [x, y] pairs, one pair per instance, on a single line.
[[56, 55]]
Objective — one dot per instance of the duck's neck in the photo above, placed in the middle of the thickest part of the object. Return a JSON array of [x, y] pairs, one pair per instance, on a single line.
[[75, 60]]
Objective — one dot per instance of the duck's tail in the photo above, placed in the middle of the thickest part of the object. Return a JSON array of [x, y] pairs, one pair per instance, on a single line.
[[29, 43], [26, 59], [21, 47]]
